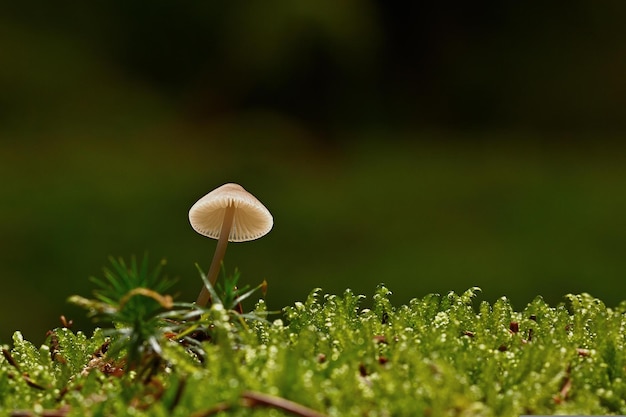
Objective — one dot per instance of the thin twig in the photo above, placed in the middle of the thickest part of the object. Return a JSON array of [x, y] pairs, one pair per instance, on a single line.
[[32, 383], [254, 398], [165, 300], [7, 355]]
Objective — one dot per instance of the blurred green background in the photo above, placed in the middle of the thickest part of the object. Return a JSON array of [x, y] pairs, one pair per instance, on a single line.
[[429, 147]]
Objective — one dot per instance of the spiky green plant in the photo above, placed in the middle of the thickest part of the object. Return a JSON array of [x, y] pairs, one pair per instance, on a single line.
[[131, 296], [145, 319], [192, 325]]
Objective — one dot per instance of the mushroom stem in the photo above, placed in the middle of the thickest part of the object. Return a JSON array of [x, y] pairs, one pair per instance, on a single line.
[[218, 256]]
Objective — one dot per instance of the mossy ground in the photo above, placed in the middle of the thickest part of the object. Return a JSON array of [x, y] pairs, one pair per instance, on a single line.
[[436, 356]]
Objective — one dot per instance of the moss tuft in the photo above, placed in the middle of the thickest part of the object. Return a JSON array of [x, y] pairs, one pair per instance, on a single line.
[[329, 355]]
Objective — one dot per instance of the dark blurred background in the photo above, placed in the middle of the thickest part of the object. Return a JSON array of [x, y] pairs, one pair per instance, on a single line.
[[431, 147]]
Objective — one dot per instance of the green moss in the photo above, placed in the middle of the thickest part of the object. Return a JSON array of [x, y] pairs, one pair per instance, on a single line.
[[440, 355]]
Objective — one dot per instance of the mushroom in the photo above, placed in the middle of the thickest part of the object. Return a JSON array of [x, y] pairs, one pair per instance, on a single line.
[[228, 213]]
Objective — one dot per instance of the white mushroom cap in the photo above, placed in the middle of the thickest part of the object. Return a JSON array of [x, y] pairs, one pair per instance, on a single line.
[[252, 220]]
